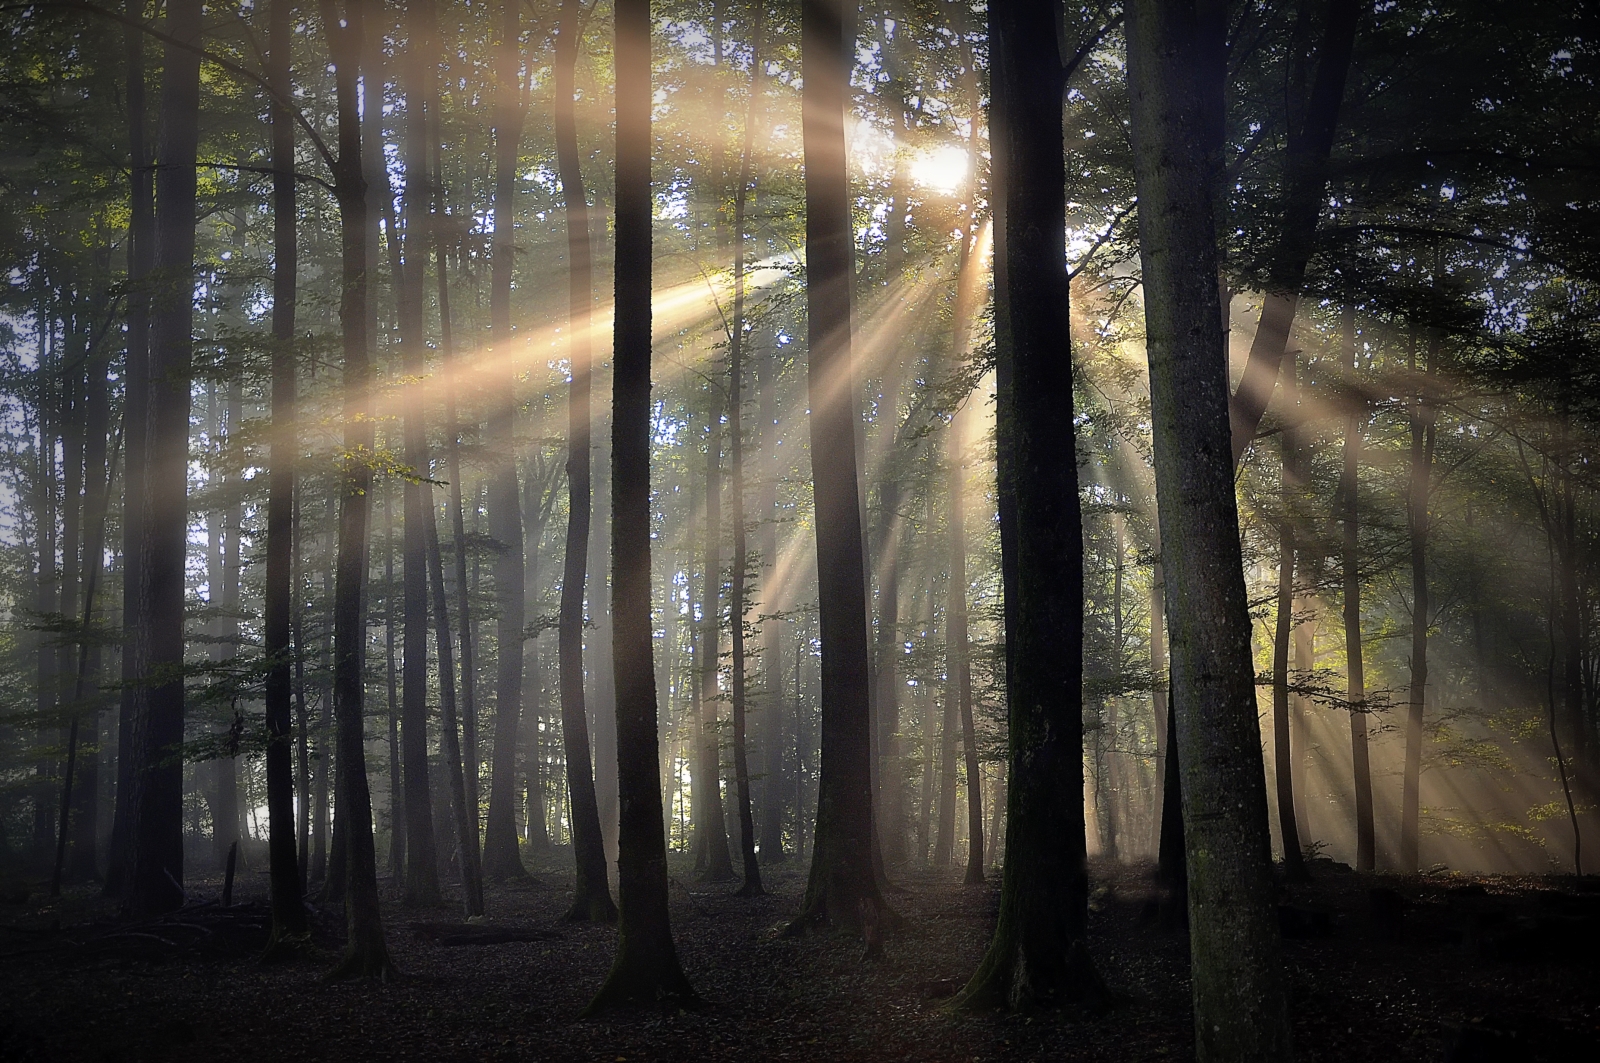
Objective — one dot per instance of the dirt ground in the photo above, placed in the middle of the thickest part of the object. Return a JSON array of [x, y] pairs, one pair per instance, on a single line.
[[1380, 968]]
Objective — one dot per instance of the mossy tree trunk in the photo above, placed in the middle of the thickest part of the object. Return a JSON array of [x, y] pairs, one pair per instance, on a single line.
[[1240, 1005]]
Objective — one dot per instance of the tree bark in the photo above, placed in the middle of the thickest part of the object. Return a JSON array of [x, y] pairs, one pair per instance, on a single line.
[[591, 899], [1422, 414], [1240, 1008], [1310, 143], [737, 611], [718, 866], [365, 953], [1355, 671], [135, 432], [1038, 954], [842, 890], [500, 857], [464, 812], [397, 806], [646, 969], [156, 860], [1294, 866], [773, 793]]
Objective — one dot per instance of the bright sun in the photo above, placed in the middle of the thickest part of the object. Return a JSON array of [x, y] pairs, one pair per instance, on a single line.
[[943, 169]]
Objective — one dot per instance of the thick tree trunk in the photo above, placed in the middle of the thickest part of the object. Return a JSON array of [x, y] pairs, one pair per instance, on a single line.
[[646, 969], [365, 953], [842, 890], [1355, 671], [156, 859], [1038, 954], [1240, 1007], [500, 857], [591, 893], [1421, 485]]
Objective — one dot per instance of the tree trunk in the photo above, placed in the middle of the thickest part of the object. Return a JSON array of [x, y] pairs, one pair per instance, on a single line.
[[1038, 954], [365, 953], [452, 429], [537, 503], [156, 858], [87, 694], [70, 417], [1355, 671], [646, 969], [47, 590], [602, 694], [1240, 1010], [500, 857], [1294, 866], [1422, 416], [718, 865], [397, 806], [591, 893], [135, 431], [464, 812], [422, 874], [842, 890], [925, 836], [1310, 142], [773, 794], [737, 611], [960, 654], [297, 628]]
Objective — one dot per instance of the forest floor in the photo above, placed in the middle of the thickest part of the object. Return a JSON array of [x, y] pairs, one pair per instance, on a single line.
[[1380, 968]]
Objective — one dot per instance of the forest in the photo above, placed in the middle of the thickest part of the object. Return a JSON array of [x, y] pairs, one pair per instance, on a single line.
[[799, 529]]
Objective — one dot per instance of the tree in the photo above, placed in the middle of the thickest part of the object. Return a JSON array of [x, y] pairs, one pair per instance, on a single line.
[[591, 892], [1422, 418], [1240, 1010], [141, 250], [1350, 560], [842, 890], [1294, 867], [500, 856], [1310, 136], [646, 968], [409, 256], [155, 862], [737, 608], [365, 953], [1038, 954], [422, 859]]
